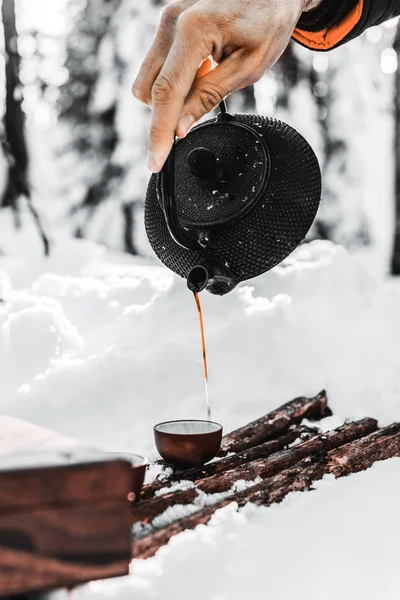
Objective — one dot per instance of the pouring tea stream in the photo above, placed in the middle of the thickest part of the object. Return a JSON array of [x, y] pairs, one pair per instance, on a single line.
[[235, 197]]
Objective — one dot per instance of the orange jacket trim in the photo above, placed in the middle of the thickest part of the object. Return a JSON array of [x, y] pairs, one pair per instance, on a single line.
[[329, 38]]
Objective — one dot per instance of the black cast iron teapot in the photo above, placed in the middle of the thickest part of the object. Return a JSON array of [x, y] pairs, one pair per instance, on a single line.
[[236, 196]]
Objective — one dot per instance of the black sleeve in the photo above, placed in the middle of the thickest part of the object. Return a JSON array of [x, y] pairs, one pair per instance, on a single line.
[[336, 22]]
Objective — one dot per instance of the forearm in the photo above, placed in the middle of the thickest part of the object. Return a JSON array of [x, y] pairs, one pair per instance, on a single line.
[[335, 22]]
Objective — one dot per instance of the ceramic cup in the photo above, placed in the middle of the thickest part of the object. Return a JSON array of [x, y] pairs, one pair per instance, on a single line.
[[139, 465], [188, 443]]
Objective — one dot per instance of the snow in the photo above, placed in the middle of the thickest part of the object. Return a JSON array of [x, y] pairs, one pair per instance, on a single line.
[[100, 348], [181, 485]]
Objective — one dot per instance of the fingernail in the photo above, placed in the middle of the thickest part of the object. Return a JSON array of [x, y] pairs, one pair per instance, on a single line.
[[152, 163], [185, 123]]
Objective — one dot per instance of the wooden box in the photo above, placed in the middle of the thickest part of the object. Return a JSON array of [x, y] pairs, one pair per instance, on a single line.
[[64, 514]]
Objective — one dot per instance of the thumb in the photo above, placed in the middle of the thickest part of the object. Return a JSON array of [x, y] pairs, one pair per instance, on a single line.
[[234, 73]]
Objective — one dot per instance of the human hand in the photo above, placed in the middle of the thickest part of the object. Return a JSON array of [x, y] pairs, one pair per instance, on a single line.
[[245, 38]]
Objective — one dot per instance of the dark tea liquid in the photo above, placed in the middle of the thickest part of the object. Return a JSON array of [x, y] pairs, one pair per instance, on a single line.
[[203, 349]]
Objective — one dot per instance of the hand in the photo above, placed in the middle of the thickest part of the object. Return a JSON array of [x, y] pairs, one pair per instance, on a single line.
[[245, 38]]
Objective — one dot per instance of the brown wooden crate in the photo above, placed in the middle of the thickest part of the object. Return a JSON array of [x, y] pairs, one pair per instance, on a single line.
[[64, 513], [22, 572], [39, 485]]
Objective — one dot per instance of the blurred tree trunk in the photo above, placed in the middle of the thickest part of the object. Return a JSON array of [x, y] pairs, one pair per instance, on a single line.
[[340, 101], [395, 266], [14, 142], [289, 71], [343, 216], [94, 135]]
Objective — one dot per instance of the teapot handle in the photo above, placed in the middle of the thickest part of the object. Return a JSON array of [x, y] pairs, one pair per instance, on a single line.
[[165, 186], [223, 115]]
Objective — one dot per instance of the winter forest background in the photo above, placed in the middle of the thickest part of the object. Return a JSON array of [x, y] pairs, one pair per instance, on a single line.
[[73, 140]]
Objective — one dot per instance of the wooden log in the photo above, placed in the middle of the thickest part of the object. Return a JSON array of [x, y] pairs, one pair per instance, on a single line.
[[262, 467], [301, 433], [295, 432], [148, 546], [286, 458], [352, 458], [355, 456], [274, 423]]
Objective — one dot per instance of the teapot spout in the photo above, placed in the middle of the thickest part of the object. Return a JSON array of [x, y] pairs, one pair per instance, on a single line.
[[212, 276]]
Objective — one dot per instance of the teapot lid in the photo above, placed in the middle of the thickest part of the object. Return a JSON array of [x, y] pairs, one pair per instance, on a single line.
[[221, 169]]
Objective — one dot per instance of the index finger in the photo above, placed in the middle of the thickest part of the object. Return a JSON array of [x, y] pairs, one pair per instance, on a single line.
[[170, 90]]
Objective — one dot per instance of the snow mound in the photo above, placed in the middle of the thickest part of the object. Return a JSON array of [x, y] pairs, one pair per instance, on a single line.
[[104, 352]]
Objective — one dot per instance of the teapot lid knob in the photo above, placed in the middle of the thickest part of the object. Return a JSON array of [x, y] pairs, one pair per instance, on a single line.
[[202, 163]]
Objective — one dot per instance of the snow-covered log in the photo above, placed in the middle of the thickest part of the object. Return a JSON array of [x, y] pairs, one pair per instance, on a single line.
[[226, 481], [357, 455]]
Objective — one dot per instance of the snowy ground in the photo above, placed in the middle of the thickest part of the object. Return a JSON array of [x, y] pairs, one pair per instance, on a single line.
[[100, 348]]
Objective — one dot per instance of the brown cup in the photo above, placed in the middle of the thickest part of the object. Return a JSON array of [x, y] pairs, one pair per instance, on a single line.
[[188, 443], [138, 466]]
